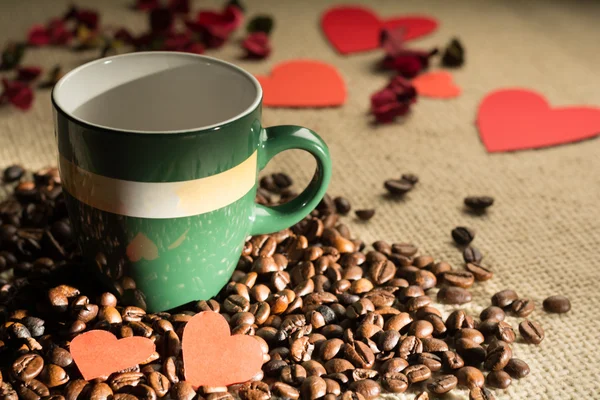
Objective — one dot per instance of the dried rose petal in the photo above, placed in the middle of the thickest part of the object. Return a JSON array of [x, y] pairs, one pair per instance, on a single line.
[[12, 55], [89, 18], [215, 27], [38, 36], [177, 41], [161, 20], [58, 32], [407, 65], [18, 93], [195, 48], [257, 45], [124, 36], [27, 74], [179, 6], [391, 40], [386, 107], [146, 5], [404, 89]]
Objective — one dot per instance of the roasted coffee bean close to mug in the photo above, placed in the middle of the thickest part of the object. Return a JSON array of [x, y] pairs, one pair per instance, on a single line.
[[334, 318]]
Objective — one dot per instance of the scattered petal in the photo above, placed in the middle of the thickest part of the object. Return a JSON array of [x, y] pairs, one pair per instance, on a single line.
[[260, 23], [124, 36], [215, 27], [392, 40], [161, 20], [179, 6], [195, 48], [386, 107], [177, 41], [38, 36], [404, 89], [89, 18], [406, 65], [27, 74], [147, 5], [257, 45], [17, 93]]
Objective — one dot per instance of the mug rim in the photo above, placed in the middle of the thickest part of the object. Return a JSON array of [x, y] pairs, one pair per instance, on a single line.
[[202, 129]]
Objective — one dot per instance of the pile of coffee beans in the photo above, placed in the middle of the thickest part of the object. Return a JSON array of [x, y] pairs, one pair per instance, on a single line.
[[335, 320]]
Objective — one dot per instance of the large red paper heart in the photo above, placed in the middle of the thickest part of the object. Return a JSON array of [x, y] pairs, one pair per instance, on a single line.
[[303, 83], [211, 356], [438, 84], [99, 353], [517, 119], [352, 29]]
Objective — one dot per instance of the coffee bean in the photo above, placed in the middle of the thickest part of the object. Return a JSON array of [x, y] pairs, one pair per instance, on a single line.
[[125, 396], [27, 367], [52, 375], [417, 373], [492, 312], [442, 384], [75, 389], [359, 354], [398, 187], [301, 349], [471, 352], [479, 202], [451, 360], [463, 235], [420, 329], [159, 383], [409, 346], [531, 331], [498, 379], [522, 307], [13, 173], [504, 298], [505, 332], [388, 340], [183, 391], [33, 390], [472, 255], [463, 279], [350, 395], [365, 214], [439, 328], [59, 356], [422, 396], [497, 357], [480, 273], [34, 325], [394, 382], [363, 373], [470, 377], [480, 393], [382, 271], [367, 388], [336, 365], [395, 364], [469, 333], [100, 391], [453, 295], [313, 387], [432, 345], [557, 304], [517, 368]]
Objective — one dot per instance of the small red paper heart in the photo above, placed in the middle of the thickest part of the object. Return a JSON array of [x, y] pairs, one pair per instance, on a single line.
[[352, 29], [99, 353], [211, 356], [518, 119], [436, 84], [303, 83]]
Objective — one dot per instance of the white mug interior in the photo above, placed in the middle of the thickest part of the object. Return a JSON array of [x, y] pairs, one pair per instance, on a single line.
[[157, 92]]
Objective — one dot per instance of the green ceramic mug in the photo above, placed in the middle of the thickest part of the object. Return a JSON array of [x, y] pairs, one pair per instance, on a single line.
[[159, 154]]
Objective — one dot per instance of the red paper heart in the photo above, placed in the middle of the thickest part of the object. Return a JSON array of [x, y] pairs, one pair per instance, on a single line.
[[211, 356], [517, 119], [436, 84], [352, 29], [303, 83], [99, 353]]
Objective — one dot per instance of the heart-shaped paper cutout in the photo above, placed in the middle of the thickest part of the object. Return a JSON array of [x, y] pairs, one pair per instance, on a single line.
[[352, 29], [99, 353], [303, 83], [517, 119], [211, 356], [439, 84], [141, 247]]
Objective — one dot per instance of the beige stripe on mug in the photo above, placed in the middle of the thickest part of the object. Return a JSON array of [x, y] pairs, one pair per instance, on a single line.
[[159, 199]]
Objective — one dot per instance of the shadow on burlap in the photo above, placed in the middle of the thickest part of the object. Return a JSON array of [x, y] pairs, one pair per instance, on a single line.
[[542, 235]]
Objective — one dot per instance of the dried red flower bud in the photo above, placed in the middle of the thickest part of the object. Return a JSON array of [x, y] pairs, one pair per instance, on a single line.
[[27, 74], [215, 27], [55, 33], [17, 93], [89, 18], [406, 65], [257, 45], [147, 5], [404, 89], [161, 20], [123, 35], [386, 107], [179, 6]]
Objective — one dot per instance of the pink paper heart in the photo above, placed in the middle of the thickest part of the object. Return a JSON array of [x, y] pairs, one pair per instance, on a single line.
[[517, 119]]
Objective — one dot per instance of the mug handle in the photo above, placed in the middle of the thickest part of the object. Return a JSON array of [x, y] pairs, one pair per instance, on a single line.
[[273, 141]]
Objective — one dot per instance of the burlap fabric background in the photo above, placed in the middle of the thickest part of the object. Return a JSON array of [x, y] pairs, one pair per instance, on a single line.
[[542, 235]]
